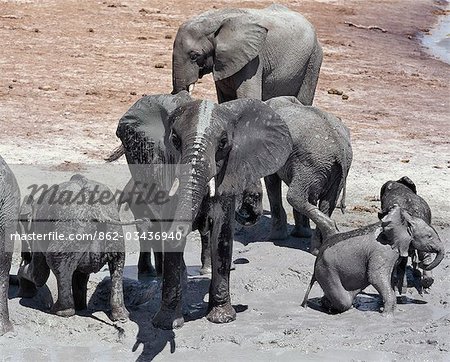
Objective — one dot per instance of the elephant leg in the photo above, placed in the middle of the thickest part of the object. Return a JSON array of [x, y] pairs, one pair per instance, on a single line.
[[118, 310], [278, 214], [206, 254], [5, 265], [145, 267], [309, 83], [327, 204], [400, 274], [302, 227], [299, 202], [170, 314], [383, 287], [158, 262], [79, 289], [33, 275], [248, 81], [220, 309], [63, 270]]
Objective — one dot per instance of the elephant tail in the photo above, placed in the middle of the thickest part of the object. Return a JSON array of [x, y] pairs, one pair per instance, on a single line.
[[116, 154], [311, 283], [342, 204]]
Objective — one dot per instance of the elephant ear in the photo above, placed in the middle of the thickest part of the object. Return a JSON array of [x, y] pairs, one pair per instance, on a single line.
[[142, 127], [237, 42], [405, 180], [261, 143], [397, 229]]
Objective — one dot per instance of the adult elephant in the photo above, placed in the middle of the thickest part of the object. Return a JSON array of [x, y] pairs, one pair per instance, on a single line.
[[142, 131], [9, 213], [212, 143], [252, 53]]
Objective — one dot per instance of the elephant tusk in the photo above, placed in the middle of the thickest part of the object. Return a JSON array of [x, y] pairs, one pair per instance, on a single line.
[[174, 187], [212, 187], [191, 88]]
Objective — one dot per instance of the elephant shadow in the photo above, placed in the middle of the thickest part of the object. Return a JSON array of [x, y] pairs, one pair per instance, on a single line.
[[142, 299], [364, 302], [42, 301], [260, 233]]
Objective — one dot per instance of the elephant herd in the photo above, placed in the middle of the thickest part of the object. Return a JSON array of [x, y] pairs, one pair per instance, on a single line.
[[208, 159]]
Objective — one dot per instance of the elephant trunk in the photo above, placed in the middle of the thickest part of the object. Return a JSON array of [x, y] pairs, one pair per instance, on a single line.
[[184, 77], [437, 260], [191, 186]]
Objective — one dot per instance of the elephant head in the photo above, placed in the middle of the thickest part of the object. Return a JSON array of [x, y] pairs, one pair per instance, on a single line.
[[401, 229], [214, 42], [233, 144]]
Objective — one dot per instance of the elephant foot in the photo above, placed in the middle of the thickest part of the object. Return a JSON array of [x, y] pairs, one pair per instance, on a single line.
[[427, 282], [6, 327], [27, 289], [222, 314], [168, 319], [62, 311], [120, 314], [278, 234], [301, 232]]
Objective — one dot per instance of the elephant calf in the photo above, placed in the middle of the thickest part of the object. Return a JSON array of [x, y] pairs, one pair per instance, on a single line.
[[316, 171], [9, 213], [74, 209], [403, 193], [351, 261]]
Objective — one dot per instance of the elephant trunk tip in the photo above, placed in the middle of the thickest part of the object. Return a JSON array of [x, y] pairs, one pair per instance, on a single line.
[[437, 260]]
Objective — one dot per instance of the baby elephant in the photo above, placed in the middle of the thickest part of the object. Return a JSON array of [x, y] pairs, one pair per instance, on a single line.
[[351, 261], [80, 221], [403, 193]]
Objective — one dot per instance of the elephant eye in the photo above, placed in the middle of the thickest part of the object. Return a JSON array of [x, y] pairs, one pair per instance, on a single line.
[[222, 143], [194, 56], [176, 141]]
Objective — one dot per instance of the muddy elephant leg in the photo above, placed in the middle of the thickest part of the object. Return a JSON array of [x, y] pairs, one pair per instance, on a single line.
[[206, 254], [158, 262], [5, 265], [278, 214], [400, 274], [33, 275], [170, 315], [299, 202], [118, 310], [79, 290], [145, 267], [220, 309], [302, 227], [63, 270]]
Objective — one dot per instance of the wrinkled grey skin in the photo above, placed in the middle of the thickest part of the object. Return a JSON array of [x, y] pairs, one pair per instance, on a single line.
[[403, 193], [72, 268], [142, 132], [349, 262], [252, 53], [316, 171], [234, 143], [9, 213]]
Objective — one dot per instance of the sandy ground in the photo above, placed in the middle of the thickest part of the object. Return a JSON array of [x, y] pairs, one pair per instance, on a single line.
[[69, 70]]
